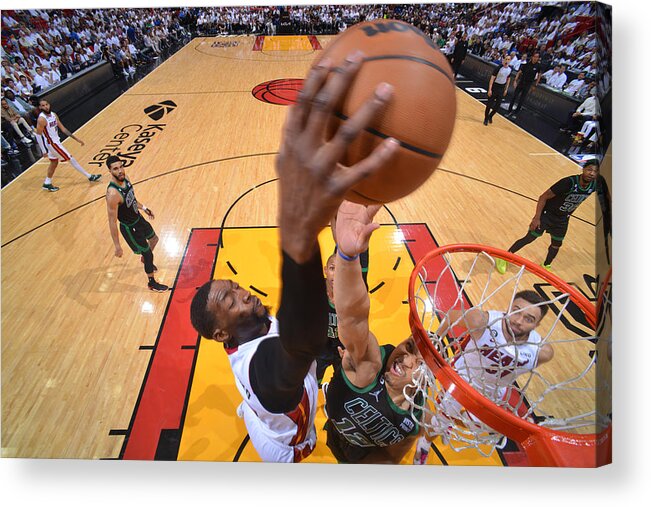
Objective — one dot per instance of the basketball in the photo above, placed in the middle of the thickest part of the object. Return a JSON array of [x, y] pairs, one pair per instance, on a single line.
[[420, 114]]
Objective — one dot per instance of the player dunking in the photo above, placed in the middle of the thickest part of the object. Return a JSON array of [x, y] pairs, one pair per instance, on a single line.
[[47, 130], [273, 361], [123, 207], [553, 212]]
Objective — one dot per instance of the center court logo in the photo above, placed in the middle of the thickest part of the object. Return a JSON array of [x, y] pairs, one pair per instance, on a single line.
[[132, 139], [157, 111]]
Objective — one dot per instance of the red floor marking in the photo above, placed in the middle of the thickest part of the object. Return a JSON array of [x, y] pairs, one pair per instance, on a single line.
[[420, 242], [162, 399], [259, 41], [316, 45]]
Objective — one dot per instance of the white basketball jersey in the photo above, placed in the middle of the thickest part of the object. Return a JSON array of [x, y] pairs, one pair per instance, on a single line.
[[491, 364], [51, 130], [286, 437]]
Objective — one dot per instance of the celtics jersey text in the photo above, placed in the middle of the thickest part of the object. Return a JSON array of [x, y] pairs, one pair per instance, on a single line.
[[368, 417], [569, 194]]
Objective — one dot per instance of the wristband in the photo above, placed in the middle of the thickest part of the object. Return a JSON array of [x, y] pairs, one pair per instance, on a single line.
[[144, 208], [346, 257]]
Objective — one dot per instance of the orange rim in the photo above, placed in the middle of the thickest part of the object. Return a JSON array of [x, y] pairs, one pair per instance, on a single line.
[[544, 447]]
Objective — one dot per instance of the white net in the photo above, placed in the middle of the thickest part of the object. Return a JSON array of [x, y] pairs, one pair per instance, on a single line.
[[498, 344]]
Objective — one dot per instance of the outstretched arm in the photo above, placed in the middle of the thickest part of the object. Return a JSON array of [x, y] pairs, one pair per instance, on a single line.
[[474, 320], [362, 358], [545, 355], [312, 184], [67, 132]]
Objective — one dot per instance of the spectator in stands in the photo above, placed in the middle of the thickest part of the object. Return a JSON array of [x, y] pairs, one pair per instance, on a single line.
[[41, 80], [8, 149], [24, 87], [9, 84], [515, 61], [65, 67], [10, 115], [588, 110], [575, 85], [23, 108], [553, 77], [151, 43], [53, 74], [562, 78]]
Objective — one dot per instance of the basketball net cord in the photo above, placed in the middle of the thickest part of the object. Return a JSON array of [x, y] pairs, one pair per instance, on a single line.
[[442, 414]]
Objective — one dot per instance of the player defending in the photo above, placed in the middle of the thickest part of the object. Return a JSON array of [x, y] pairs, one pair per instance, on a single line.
[[369, 418], [47, 130], [273, 361], [123, 207], [553, 212]]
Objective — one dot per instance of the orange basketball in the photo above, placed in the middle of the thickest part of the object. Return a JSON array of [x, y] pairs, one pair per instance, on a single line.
[[420, 114]]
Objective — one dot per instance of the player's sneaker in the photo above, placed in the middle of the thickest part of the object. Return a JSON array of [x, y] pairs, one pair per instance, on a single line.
[[548, 267], [157, 287], [94, 177], [49, 187], [501, 265]]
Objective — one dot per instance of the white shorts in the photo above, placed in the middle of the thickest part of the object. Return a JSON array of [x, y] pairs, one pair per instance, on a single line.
[[54, 150], [266, 443], [270, 443]]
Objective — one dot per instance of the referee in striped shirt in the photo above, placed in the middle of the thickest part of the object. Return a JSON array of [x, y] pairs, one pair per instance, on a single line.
[[497, 88]]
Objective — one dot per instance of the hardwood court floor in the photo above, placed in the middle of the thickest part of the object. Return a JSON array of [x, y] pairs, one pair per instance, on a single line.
[[78, 324]]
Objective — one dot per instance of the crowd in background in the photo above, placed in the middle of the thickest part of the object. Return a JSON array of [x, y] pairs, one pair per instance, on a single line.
[[40, 48], [564, 33]]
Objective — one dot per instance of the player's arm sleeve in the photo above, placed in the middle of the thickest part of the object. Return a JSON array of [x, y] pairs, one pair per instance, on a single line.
[[279, 366]]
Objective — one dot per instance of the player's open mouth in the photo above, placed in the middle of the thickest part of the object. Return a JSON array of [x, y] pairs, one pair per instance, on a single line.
[[396, 369]]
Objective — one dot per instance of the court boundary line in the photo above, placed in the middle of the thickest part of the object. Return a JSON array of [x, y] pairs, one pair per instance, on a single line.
[[522, 129], [83, 205], [99, 113], [263, 154], [268, 59]]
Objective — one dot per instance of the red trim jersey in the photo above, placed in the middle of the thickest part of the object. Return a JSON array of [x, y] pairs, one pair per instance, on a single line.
[[279, 438], [491, 364], [49, 141]]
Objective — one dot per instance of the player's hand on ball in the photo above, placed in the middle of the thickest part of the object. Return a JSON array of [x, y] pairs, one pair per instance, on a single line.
[[118, 251], [354, 227], [312, 181]]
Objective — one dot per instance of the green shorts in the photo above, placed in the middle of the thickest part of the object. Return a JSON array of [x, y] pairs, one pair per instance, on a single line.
[[137, 234], [555, 225]]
